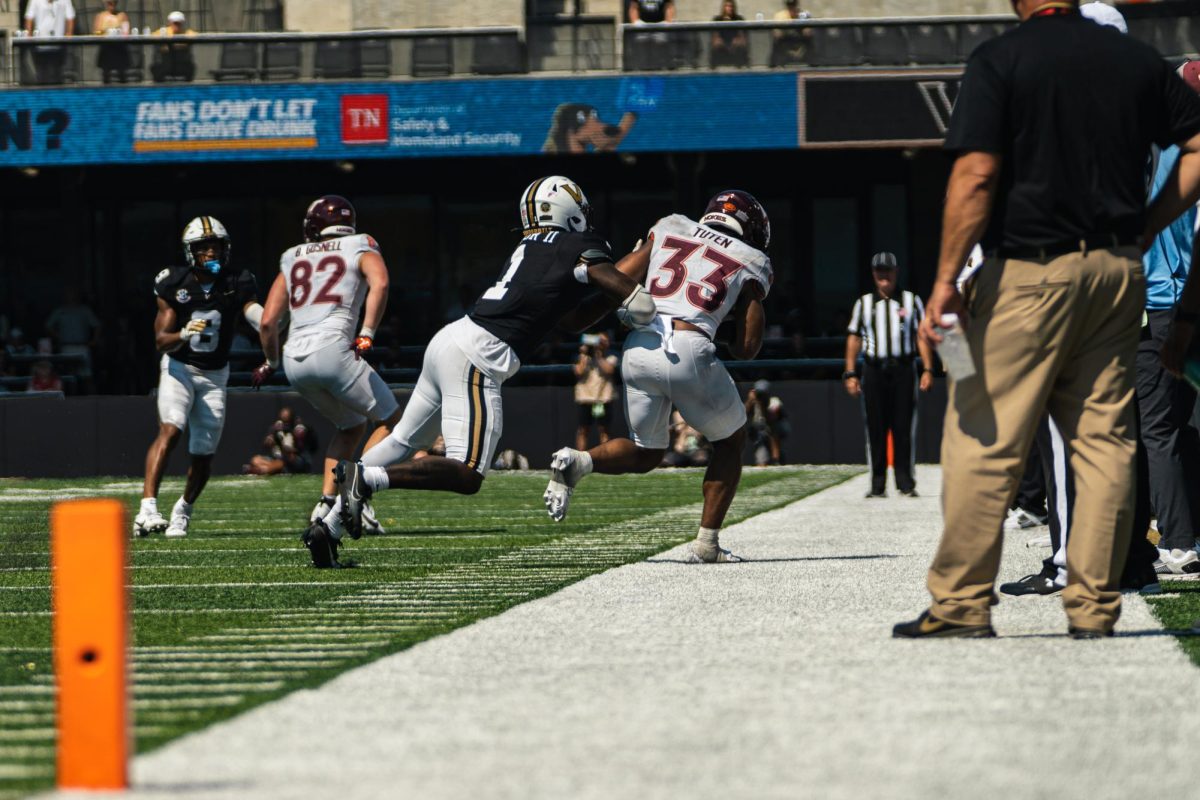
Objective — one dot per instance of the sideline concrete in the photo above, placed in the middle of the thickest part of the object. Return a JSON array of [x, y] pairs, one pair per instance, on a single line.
[[775, 678]]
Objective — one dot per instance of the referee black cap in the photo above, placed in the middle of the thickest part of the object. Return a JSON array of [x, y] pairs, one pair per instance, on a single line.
[[884, 260]]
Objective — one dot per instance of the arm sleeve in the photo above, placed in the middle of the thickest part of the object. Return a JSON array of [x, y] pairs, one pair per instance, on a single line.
[[1181, 110], [247, 288], [978, 121], [595, 251], [855, 318], [918, 309]]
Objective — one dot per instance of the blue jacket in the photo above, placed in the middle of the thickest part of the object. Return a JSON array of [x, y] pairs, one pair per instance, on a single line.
[[1170, 257]]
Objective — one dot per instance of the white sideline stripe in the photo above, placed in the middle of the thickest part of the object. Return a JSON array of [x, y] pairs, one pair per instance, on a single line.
[[234, 585], [24, 771], [191, 702], [28, 719], [143, 678], [279, 664], [28, 735], [173, 550], [251, 654], [297, 565], [249, 649], [243, 634], [30, 689], [137, 611], [25, 751]]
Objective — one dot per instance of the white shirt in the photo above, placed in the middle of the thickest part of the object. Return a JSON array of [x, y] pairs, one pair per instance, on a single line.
[[50, 16], [326, 289]]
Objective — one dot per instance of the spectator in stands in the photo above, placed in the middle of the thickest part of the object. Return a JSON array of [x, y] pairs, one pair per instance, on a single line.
[[17, 346], [651, 50], [288, 447], [729, 46], [44, 378], [791, 44], [689, 448], [595, 369], [113, 59], [49, 18], [768, 424], [75, 329], [173, 60]]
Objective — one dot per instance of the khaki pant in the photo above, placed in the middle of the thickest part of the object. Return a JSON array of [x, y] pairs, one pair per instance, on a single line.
[[1058, 336]]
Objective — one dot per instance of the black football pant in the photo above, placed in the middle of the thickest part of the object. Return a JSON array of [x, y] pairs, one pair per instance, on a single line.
[[1165, 405], [889, 404], [1031, 493]]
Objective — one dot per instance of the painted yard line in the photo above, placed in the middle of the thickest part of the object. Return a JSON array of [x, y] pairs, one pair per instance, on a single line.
[[137, 611], [27, 689], [174, 550], [143, 567], [291, 633], [26, 751], [147, 679], [251, 656], [26, 705], [28, 735], [25, 771], [27, 719], [298, 665], [204, 688], [191, 702], [234, 585], [165, 651]]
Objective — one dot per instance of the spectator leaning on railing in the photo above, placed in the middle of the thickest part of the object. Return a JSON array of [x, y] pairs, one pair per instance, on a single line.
[[651, 50], [113, 59], [173, 60], [729, 47], [49, 18], [791, 44]]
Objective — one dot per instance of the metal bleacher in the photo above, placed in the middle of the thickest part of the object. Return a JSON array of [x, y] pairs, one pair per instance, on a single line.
[[556, 41]]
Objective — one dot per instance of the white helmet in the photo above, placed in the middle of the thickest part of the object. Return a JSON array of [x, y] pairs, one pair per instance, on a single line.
[[554, 202], [203, 229]]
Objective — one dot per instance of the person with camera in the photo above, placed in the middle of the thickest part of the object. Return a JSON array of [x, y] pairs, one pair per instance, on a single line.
[[594, 372]]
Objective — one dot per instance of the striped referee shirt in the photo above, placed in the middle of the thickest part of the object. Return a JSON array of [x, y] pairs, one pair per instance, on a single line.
[[888, 327]]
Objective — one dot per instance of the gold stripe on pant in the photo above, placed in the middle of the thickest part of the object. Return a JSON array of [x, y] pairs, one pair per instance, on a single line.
[[1059, 336]]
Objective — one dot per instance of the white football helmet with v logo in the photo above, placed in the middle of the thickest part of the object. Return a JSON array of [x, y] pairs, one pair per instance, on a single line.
[[556, 202]]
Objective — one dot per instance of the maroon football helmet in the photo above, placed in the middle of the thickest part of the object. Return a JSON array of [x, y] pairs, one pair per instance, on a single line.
[[740, 214], [327, 217]]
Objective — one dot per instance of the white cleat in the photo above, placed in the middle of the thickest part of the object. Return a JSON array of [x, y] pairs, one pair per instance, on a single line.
[[370, 522], [179, 524], [145, 524], [565, 472], [710, 554], [320, 511]]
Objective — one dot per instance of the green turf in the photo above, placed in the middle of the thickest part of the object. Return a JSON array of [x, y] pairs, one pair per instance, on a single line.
[[233, 616], [1178, 608]]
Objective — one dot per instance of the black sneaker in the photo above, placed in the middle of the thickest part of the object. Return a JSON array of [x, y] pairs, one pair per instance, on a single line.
[[354, 493], [909, 492], [874, 495], [321, 544], [1088, 633], [1038, 583], [928, 627]]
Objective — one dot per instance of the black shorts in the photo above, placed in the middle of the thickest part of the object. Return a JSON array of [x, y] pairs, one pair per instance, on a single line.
[[587, 415]]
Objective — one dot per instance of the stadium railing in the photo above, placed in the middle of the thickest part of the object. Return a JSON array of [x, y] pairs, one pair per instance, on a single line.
[[559, 43]]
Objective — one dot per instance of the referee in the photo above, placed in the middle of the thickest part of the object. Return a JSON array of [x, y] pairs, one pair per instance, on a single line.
[[883, 328]]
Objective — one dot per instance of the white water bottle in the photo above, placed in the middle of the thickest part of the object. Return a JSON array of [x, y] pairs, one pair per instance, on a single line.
[[954, 350]]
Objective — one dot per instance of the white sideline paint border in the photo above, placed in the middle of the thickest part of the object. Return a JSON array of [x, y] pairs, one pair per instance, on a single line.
[[599, 690]]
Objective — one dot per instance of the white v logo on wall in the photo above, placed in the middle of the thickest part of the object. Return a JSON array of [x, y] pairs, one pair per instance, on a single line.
[[936, 95]]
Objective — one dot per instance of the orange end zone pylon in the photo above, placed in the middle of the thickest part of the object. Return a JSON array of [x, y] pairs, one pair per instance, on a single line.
[[89, 568], [891, 448]]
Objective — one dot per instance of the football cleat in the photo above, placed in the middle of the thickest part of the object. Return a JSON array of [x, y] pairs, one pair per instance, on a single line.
[[371, 526], [178, 527], [565, 472], [699, 553], [322, 545], [145, 523], [354, 491]]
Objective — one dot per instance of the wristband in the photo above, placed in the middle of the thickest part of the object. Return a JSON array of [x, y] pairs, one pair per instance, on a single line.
[[848, 374], [367, 332], [1190, 317]]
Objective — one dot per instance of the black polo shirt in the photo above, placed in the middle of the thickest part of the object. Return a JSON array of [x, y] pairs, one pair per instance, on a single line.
[[1072, 107]]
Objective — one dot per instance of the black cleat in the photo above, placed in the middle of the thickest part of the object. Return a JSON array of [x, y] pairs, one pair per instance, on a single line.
[[354, 493], [1088, 633], [1038, 583], [909, 492], [321, 544], [872, 495], [929, 627]]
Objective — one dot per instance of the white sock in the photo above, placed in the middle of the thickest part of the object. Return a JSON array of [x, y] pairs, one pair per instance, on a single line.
[[182, 507], [585, 463], [388, 451], [149, 505], [333, 520], [376, 478], [709, 536]]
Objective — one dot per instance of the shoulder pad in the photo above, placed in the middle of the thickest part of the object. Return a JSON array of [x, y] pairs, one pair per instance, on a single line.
[[369, 243]]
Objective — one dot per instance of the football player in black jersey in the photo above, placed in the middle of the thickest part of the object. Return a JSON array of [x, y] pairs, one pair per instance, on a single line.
[[558, 262], [198, 309]]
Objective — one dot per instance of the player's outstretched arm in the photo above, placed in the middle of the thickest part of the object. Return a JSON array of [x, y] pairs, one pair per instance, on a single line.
[[633, 266], [272, 320], [750, 322]]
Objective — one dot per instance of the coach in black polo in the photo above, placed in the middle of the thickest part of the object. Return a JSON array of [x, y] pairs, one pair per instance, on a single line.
[[883, 328], [1051, 132]]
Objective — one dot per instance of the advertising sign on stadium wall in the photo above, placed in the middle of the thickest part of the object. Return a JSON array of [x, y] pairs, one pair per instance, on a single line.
[[641, 113], [879, 109]]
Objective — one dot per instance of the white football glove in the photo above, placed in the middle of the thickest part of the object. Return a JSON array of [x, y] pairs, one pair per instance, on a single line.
[[193, 329]]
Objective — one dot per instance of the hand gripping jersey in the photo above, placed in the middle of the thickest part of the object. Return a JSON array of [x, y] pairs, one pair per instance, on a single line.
[[220, 306], [696, 272], [326, 289], [546, 277]]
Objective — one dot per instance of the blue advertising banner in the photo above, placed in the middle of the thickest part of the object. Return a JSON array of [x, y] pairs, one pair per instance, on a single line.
[[641, 113]]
